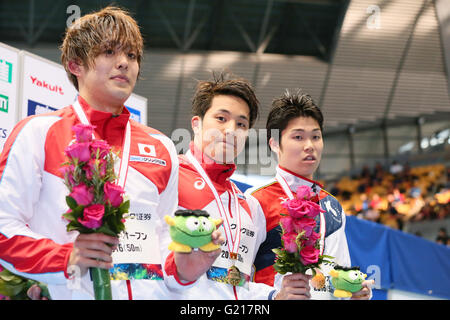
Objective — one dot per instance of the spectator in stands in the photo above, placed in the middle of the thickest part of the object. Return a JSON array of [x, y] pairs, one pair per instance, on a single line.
[[378, 172], [396, 168], [399, 197], [426, 213], [362, 206], [416, 204], [364, 185], [365, 173], [413, 194], [443, 211], [447, 185], [393, 216], [442, 236]]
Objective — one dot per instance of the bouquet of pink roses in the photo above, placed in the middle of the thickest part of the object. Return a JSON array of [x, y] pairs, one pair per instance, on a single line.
[[96, 203], [301, 247]]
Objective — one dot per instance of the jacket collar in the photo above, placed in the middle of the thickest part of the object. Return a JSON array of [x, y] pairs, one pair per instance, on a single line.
[[99, 116], [294, 180], [107, 125], [219, 173]]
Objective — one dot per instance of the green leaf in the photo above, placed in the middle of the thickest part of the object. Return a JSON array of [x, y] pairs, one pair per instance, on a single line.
[[9, 277], [106, 230], [124, 207], [71, 202], [69, 216], [78, 212], [76, 226], [11, 290], [276, 251], [109, 210], [72, 227], [44, 290]]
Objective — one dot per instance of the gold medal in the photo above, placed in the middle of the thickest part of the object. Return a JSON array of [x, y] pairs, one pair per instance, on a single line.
[[233, 255], [234, 276]]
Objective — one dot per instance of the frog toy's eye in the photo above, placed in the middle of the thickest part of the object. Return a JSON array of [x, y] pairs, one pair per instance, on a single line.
[[353, 275], [192, 223], [206, 224]]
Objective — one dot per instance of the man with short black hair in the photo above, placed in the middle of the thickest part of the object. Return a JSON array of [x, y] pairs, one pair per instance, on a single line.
[[297, 123]]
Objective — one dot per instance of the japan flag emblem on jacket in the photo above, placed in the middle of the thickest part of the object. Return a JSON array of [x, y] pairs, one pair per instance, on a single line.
[[147, 150]]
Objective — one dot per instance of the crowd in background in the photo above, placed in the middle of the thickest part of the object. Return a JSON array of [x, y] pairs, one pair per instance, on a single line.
[[397, 194]]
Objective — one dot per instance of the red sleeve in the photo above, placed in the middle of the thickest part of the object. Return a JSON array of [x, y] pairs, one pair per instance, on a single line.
[[35, 256], [171, 269]]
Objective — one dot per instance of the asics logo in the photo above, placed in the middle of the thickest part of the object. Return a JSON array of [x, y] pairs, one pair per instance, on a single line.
[[199, 184]]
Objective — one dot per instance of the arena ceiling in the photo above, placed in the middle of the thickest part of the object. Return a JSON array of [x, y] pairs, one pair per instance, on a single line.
[[292, 27]]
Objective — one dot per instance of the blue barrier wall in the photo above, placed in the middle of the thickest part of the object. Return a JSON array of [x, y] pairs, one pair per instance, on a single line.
[[404, 261]]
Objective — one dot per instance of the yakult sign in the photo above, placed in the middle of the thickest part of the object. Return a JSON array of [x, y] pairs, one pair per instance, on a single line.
[[48, 86], [45, 86]]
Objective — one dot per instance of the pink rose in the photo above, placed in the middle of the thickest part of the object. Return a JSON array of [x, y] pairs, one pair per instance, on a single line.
[[296, 208], [82, 194], [309, 255], [113, 193], [304, 192], [92, 216], [83, 132], [100, 146], [314, 209], [89, 171], [286, 224], [312, 239], [67, 172], [79, 151], [95, 165], [289, 242], [304, 224]]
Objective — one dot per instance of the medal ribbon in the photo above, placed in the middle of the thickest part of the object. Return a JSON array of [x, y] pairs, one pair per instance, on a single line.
[[224, 214]]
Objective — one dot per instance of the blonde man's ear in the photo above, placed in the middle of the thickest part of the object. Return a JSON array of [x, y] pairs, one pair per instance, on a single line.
[[75, 68]]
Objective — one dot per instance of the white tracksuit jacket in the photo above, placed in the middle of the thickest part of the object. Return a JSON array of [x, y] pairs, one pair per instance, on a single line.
[[33, 237]]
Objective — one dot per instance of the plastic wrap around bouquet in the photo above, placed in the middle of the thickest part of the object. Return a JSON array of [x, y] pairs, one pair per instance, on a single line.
[[96, 203], [301, 247]]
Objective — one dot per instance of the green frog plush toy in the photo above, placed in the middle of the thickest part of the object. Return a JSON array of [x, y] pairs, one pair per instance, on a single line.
[[346, 281], [192, 229]]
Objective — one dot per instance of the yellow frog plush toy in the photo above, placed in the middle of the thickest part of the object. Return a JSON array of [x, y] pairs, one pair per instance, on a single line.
[[346, 281], [192, 229]]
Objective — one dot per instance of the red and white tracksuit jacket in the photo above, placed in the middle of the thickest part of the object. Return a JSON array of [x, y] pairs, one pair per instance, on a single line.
[[34, 242], [194, 193], [268, 199]]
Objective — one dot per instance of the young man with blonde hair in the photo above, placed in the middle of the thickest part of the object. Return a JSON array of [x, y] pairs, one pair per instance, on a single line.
[[101, 53]]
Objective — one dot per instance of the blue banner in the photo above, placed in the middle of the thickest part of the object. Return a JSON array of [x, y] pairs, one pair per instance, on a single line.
[[402, 261]]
